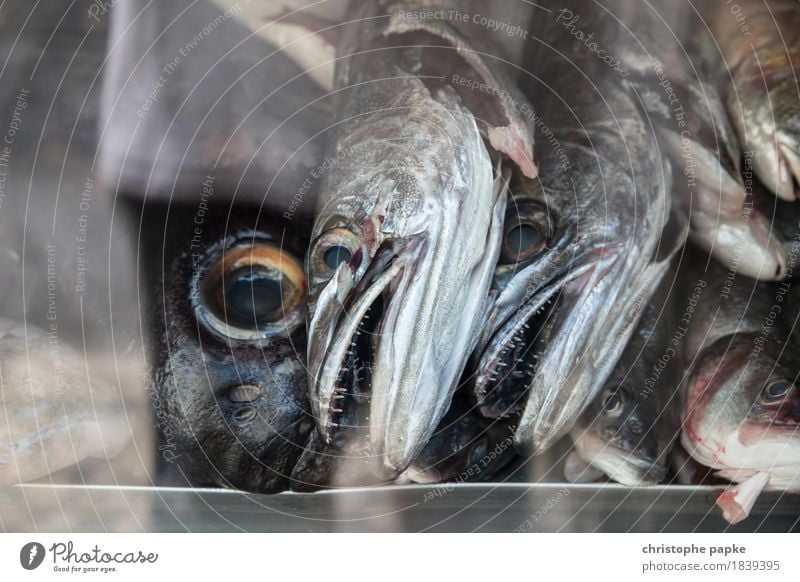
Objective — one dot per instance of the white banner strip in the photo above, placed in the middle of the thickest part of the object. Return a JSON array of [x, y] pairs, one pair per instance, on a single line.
[[373, 557]]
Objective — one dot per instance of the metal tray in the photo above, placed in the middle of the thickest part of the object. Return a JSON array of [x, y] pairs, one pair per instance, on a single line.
[[502, 507]]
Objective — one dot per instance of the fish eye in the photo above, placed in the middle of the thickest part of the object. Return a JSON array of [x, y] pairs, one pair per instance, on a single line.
[[335, 255], [479, 452], [776, 392], [613, 401], [525, 234], [251, 292], [522, 237], [253, 295], [332, 248]]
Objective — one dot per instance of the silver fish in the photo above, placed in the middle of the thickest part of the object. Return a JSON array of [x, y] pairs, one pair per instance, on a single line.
[[756, 51], [680, 94], [742, 409], [581, 244], [628, 430], [407, 230]]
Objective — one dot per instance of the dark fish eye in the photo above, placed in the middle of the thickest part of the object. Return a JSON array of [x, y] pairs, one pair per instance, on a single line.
[[479, 452], [337, 254], [613, 401], [525, 234], [332, 248], [250, 292], [254, 296], [521, 238], [776, 391]]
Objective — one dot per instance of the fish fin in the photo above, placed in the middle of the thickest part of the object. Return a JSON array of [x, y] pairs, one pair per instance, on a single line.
[[737, 502], [576, 470], [505, 115]]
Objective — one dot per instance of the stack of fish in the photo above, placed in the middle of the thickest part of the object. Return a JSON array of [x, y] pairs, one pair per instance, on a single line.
[[469, 292], [583, 227]]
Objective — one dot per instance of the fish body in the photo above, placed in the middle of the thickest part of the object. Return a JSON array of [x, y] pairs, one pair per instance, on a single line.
[[407, 228], [756, 50], [628, 430], [581, 242], [685, 103]]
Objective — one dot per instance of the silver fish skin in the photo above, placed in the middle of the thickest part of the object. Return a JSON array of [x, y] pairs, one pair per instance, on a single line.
[[756, 51], [628, 430], [681, 95], [407, 229], [581, 242], [742, 403]]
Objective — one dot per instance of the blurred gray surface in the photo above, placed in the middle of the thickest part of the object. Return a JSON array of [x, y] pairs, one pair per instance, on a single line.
[[443, 508]]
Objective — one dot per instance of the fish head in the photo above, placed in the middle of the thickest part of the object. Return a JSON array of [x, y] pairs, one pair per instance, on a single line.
[[621, 433], [229, 386], [577, 268], [743, 406], [769, 122], [466, 447], [404, 244]]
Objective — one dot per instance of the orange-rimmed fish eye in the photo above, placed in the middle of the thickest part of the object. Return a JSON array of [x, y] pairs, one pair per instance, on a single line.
[[613, 401], [252, 291], [333, 247], [526, 233], [776, 392]]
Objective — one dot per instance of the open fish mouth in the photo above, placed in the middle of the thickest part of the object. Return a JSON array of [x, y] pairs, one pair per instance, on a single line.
[[510, 362], [349, 317], [508, 365]]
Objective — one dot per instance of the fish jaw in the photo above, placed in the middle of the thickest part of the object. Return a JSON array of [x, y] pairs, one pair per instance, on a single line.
[[578, 357], [426, 337], [508, 358], [632, 468], [337, 317], [420, 344]]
